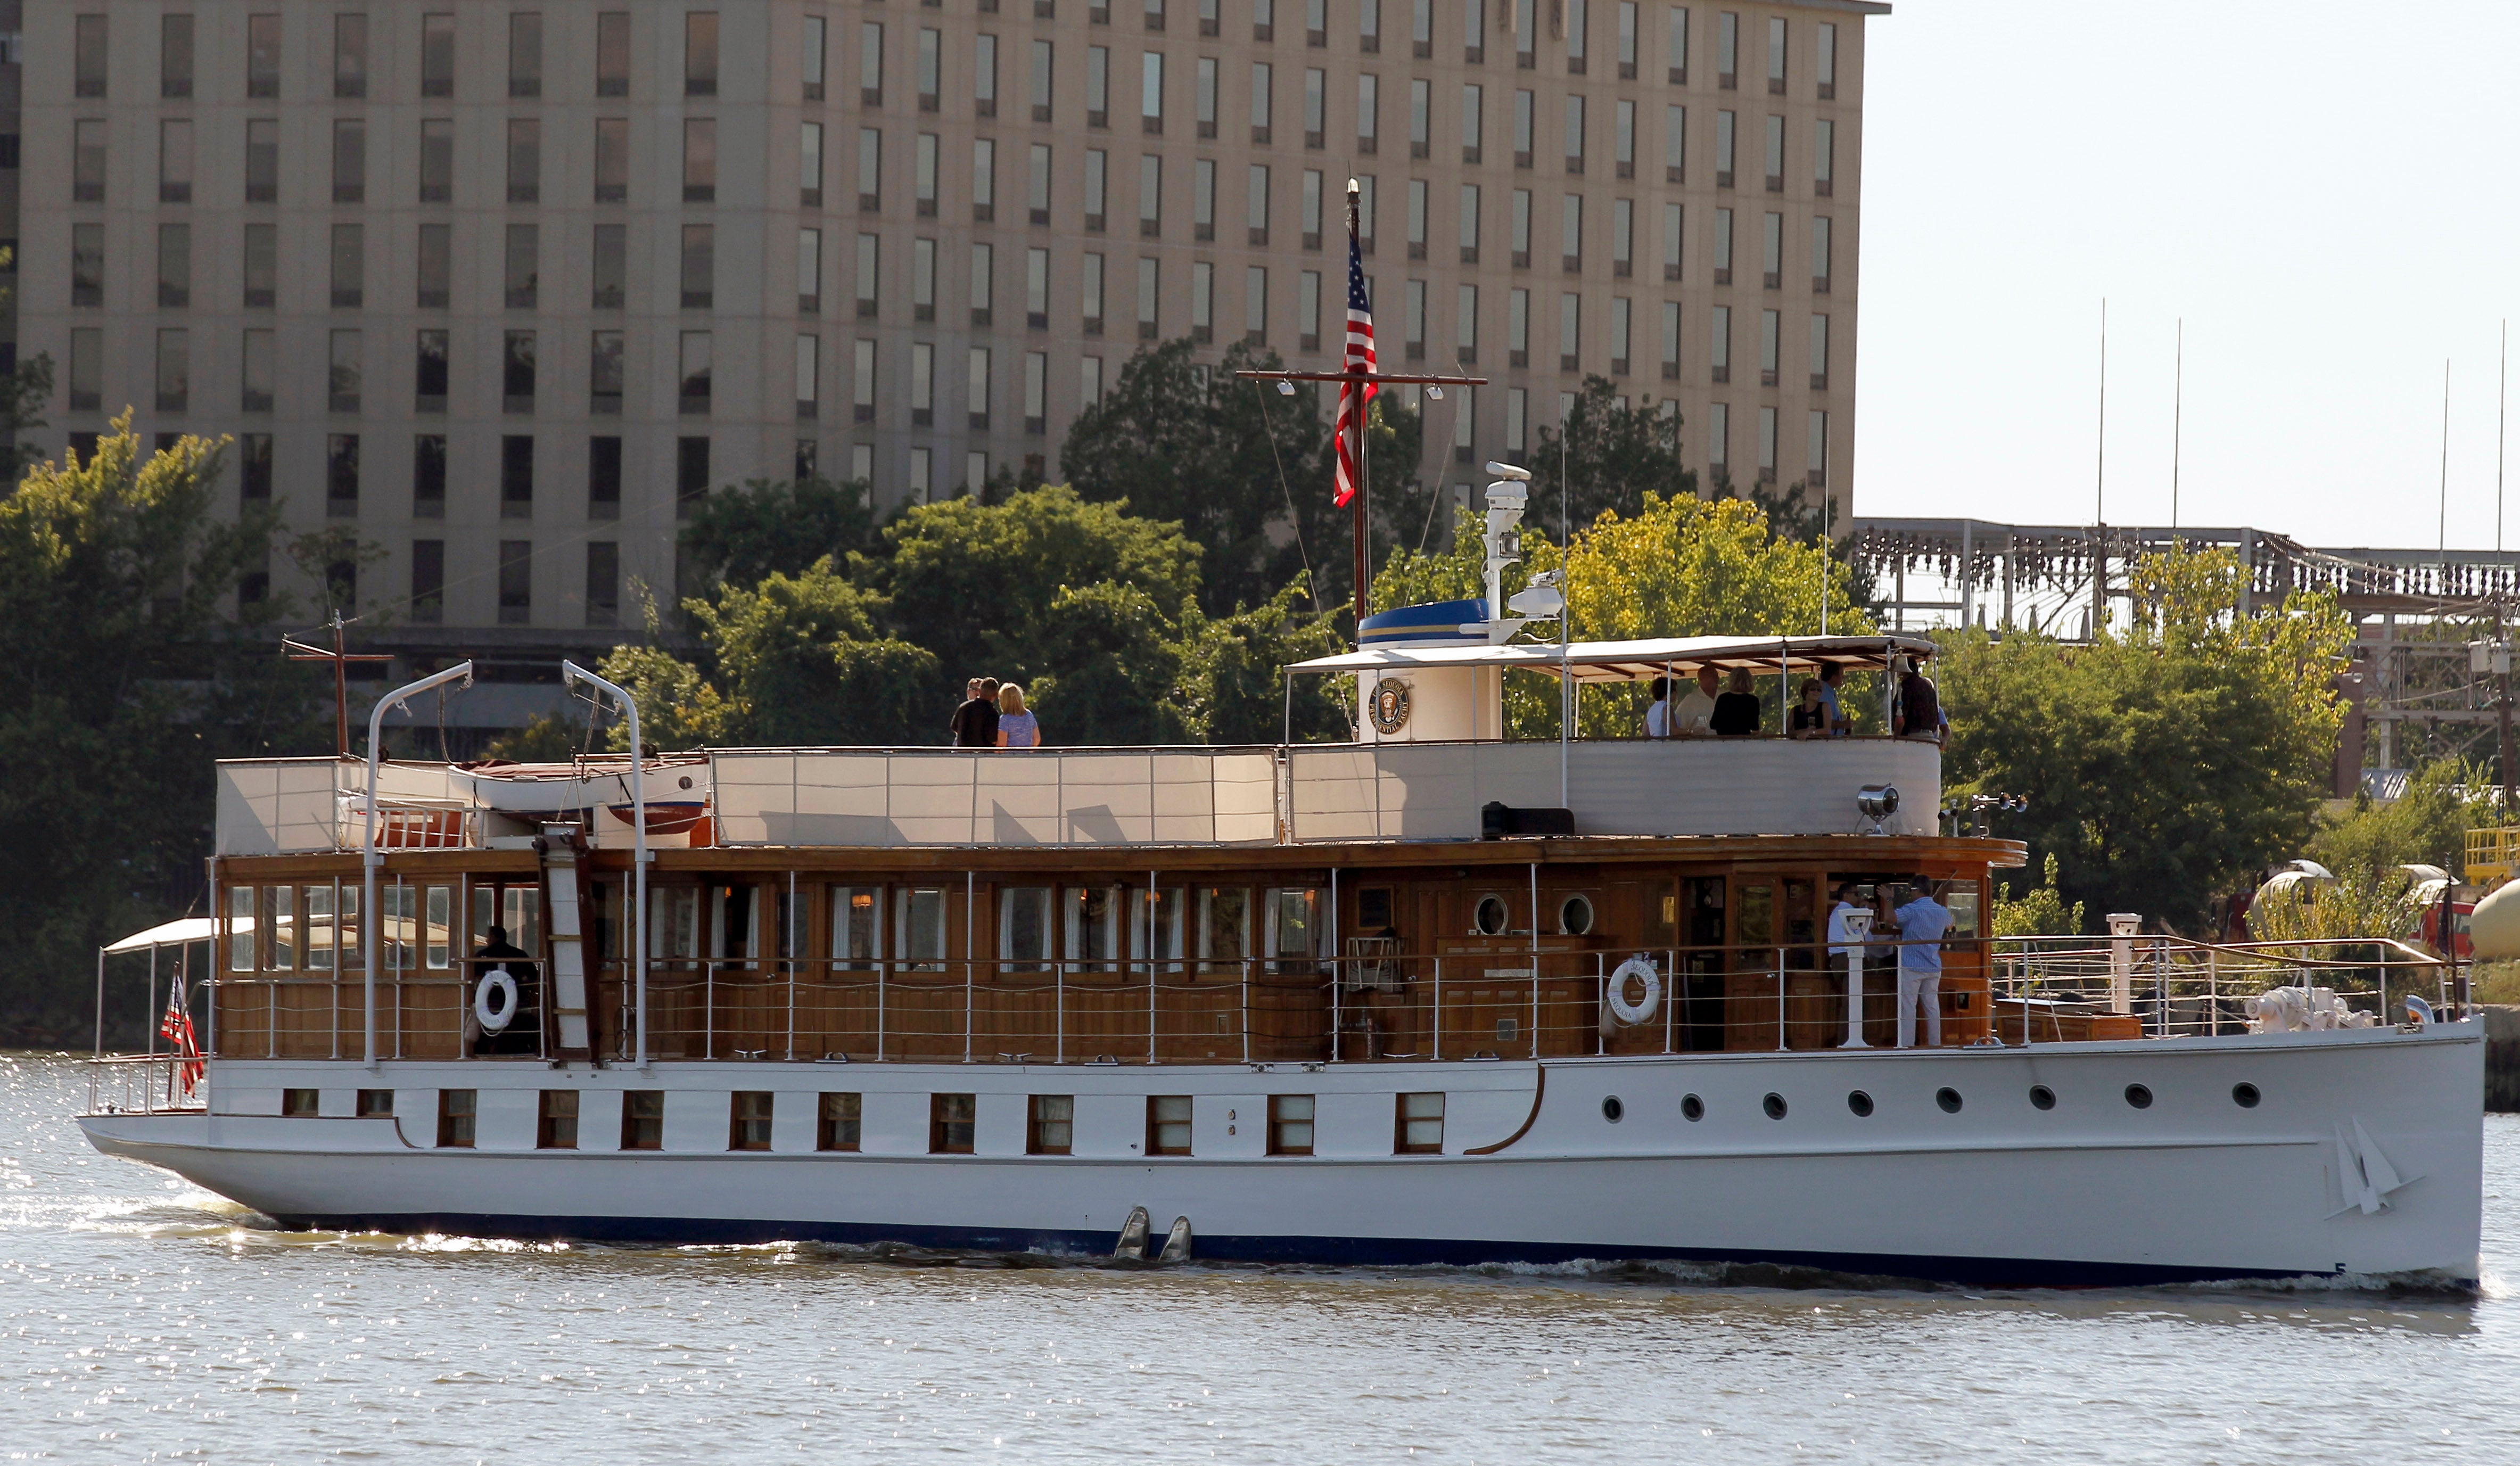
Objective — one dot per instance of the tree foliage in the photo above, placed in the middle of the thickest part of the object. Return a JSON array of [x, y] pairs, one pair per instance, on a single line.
[[124, 681], [1606, 458], [2166, 760], [2427, 826], [2041, 911], [780, 527]]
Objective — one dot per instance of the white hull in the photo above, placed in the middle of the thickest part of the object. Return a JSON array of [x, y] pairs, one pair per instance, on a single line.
[[2363, 1158]]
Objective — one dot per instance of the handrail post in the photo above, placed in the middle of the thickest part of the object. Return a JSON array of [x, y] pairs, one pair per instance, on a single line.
[[1435, 1024], [1671, 995], [881, 967], [371, 853], [1858, 929], [571, 672], [709, 1008], [1247, 1000]]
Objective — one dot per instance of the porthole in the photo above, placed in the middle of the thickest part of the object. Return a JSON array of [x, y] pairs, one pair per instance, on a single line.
[[1492, 915], [1860, 1102], [2042, 1097], [1949, 1098], [1774, 1105], [1691, 1107], [2138, 1097], [1612, 1110], [1575, 915], [2245, 1095]]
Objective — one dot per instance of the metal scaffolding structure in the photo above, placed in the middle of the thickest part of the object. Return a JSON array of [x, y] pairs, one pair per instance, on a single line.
[[2432, 667]]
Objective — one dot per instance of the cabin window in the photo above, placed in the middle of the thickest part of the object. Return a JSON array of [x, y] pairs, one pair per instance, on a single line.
[[455, 1111], [437, 915], [1373, 910], [1168, 1125], [643, 1120], [315, 926], [1025, 928], [1490, 916], [1294, 927], [396, 926], [1156, 925], [1575, 915], [734, 921], [1961, 897], [952, 1120], [603, 920], [1421, 1125], [857, 927], [240, 928], [300, 1104], [1093, 927], [556, 1124], [838, 1128], [518, 909], [375, 1104], [280, 921], [748, 1120], [919, 924], [1224, 928], [1757, 918], [1052, 1131], [1290, 1124], [673, 922]]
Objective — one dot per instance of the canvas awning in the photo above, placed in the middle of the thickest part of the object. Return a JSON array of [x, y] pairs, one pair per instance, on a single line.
[[176, 933], [1637, 661]]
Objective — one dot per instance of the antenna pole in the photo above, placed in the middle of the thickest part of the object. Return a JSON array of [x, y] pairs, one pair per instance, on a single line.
[[2100, 490], [2441, 528], [2502, 416], [2177, 416]]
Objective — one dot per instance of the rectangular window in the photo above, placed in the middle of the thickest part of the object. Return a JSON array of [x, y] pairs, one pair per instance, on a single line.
[[260, 367], [523, 261], [810, 56], [346, 371], [350, 161], [88, 63], [1776, 55], [809, 272], [1676, 45], [809, 165], [691, 473], [428, 580], [1771, 252], [87, 160], [1723, 123], [1150, 91], [1816, 452], [1308, 311], [438, 55], [1819, 243], [1623, 236], [87, 369], [1150, 194], [695, 374], [428, 478], [975, 382], [175, 159], [1570, 329], [923, 278], [1671, 339], [349, 56], [1369, 98], [1290, 1124], [1202, 297], [555, 1126], [611, 160], [429, 371], [1413, 318], [612, 53], [1823, 157], [699, 266], [516, 477], [1517, 328], [1819, 353], [610, 267], [923, 175], [262, 161], [1474, 31], [174, 370], [262, 56], [868, 272], [603, 479], [1036, 392], [1776, 173], [1727, 50], [438, 161], [524, 159], [1204, 96], [922, 384], [870, 62], [1147, 285], [175, 55], [984, 276], [516, 582], [300, 1104], [1255, 305], [1051, 1129], [1316, 85], [1168, 1125], [1621, 311], [373, 1104], [1766, 445], [1722, 247], [1473, 120], [643, 1120], [862, 382], [1037, 183], [1719, 353], [748, 1114], [1824, 62], [1570, 228], [1421, 122], [1419, 1121], [838, 1121], [175, 266], [525, 54], [952, 1120], [1525, 126], [456, 1109], [699, 54], [699, 160], [516, 365], [1311, 203]]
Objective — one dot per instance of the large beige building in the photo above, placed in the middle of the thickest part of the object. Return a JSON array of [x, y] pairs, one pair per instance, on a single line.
[[502, 286]]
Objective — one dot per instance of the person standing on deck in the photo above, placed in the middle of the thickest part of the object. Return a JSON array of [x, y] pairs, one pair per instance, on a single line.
[[1921, 923], [1830, 674], [1018, 727], [1691, 717], [975, 722]]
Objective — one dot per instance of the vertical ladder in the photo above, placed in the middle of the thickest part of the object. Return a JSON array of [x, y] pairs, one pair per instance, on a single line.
[[566, 931]]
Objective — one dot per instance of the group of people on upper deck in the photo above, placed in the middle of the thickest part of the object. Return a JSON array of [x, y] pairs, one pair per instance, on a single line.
[[993, 715], [1720, 707]]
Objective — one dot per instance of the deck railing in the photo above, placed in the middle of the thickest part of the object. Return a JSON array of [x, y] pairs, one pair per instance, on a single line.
[[2175, 987]]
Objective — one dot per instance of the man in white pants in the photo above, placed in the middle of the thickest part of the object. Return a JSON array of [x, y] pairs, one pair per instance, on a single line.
[[1921, 925]]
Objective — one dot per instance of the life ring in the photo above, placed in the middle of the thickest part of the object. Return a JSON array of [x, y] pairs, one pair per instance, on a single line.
[[495, 1020], [1639, 968]]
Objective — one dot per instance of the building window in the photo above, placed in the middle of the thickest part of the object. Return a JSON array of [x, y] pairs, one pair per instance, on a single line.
[[341, 475], [699, 266], [837, 1126], [87, 160], [175, 159], [436, 263], [524, 159], [1290, 1124], [1816, 452], [262, 56], [87, 369], [691, 473], [748, 1120], [809, 165], [349, 56], [438, 55], [603, 479], [699, 160], [456, 1109], [699, 54], [261, 161], [525, 54], [516, 477], [952, 1120], [1168, 1125], [1724, 121], [1051, 1131], [346, 371], [253, 465], [604, 374], [428, 475], [174, 266], [260, 364], [1420, 1126], [611, 160], [555, 1126], [516, 582], [694, 375], [88, 63], [517, 371], [175, 55], [438, 161], [427, 582], [643, 1120]]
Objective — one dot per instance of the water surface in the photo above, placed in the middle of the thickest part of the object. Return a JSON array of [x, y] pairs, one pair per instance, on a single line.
[[142, 1319]]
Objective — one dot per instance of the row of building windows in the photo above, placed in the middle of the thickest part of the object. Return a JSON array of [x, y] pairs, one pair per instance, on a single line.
[[953, 1123], [179, 171], [353, 56]]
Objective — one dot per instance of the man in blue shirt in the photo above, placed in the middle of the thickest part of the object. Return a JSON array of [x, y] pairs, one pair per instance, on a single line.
[[1921, 923], [1830, 674]]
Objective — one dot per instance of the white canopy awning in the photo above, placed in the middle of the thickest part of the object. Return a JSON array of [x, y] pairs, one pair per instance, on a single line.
[[176, 934], [1636, 661]]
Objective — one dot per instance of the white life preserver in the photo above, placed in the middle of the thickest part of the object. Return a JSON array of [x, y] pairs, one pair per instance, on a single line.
[[1641, 969], [495, 1020]]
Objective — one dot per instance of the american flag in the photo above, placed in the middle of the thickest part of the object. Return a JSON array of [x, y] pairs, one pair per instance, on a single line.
[[176, 1028], [1353, 396]]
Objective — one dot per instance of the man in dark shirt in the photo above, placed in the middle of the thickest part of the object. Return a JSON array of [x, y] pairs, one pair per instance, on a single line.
[[975, 722], [1920, 708]]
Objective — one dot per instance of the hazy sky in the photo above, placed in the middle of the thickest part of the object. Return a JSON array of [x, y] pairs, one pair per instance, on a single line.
[[2325, 193]]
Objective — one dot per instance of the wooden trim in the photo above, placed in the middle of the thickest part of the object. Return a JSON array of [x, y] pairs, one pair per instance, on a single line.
[[1539, 1092]]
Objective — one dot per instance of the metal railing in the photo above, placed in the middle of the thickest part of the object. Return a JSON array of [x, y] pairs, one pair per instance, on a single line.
[[141, 1083], [2173, 986]]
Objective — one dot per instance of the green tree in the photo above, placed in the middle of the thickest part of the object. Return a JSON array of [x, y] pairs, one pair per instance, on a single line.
[[766, 527], [2165, 761], [2041, 911], [2426, 826], [1607, 456], [124, 681], [1229, 688]]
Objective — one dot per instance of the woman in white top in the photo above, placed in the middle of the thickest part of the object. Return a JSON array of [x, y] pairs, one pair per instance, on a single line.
[[1017, 728]]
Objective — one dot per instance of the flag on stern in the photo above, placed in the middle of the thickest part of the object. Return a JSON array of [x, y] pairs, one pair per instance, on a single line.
[[1354, 395], [176, 1028]]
